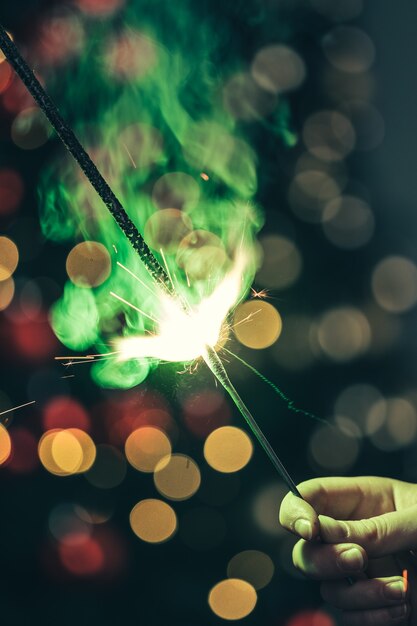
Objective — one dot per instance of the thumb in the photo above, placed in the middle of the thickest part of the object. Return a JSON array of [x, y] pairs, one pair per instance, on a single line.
[[379, 536]]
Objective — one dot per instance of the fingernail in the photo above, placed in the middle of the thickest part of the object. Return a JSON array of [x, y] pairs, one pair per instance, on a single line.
[[351, 560], [398, 611], [303, 528], [395, 591]]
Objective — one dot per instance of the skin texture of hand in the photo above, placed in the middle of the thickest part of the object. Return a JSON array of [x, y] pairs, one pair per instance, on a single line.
[[361, 528]]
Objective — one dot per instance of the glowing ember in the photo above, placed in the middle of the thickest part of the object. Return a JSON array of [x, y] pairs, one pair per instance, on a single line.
[[184, 332]]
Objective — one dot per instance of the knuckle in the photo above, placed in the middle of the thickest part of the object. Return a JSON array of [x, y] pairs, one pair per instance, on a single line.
[[374, 529]]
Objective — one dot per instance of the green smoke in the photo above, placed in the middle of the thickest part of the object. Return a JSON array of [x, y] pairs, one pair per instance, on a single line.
[[145, 100]]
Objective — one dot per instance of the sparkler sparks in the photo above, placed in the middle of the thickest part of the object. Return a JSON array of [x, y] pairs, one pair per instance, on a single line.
[[184, 332]]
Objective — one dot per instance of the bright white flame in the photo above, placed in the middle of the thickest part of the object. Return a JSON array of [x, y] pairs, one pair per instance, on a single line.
[[184, 334]]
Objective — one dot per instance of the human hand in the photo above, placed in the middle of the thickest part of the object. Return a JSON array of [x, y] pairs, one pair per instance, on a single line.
[[363, 528]]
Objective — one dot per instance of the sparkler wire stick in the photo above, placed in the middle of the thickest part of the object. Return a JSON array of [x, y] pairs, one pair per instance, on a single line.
[[214, 363], [156, 270], [69, 139]]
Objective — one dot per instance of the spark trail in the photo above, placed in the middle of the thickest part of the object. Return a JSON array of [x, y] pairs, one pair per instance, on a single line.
[[159, 274]]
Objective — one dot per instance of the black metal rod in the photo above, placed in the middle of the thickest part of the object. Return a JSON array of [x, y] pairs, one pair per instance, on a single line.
[[68, 137]]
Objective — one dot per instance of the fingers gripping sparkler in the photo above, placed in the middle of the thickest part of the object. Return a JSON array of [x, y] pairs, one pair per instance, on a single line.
[[158, 273]]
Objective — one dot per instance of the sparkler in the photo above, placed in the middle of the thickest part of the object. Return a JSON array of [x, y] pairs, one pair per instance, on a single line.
[[176, 305]]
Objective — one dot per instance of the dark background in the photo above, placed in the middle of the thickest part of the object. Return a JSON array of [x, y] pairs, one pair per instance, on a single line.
[[169, 583]]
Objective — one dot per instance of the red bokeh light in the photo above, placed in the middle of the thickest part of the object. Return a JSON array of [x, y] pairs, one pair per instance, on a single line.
[[11, 189], [65, 412], [24, 457], [6, 76], [82, 559], [102, 555], [205, 411], [16, 97], [99, 7], [60, 38], [122, 415], [311, 618], [33, 338]]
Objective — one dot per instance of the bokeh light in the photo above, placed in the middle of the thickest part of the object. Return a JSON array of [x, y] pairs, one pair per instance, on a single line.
[[130, 55], [332, 449], [88, 264], [205, 411], [355, 402], [24, 456], [245, 100], [84, 559], [9, 258], [232, 599], [166, 228], [394, 284], [348, 222], [146, 447], [349, 49], [5, 444], [177, 479], [99, 8], [30, 129], [254, 566], [281, 262], [67, 525], [64, 452], [278, 68], [257, 324], [311, 618], [11, 190], [344, 334], [329, 135], [153, 521], [176, 190], [265, 508], [200, 254], [228, 449], [368, 124], [309, 192], [7, 289], [65, 412], [392, 424]]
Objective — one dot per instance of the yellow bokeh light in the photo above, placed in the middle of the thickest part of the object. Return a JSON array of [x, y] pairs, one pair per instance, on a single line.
[[232, 599], [145, 447], [88, 264], [9, 258], [228, 449], [6, 292], [66, 451], [281, 262], [253, 566], [394, 284], [153, 521], [88, 449], [257, 324], [45, 453], [166, 228], [278, 68], [177, 479], [344, 333], [5, 444]]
